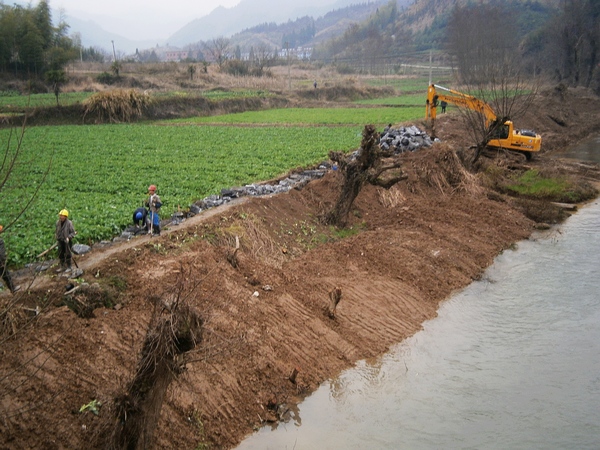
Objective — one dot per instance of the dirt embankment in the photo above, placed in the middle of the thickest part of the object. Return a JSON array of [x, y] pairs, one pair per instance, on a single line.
[[263, 307]]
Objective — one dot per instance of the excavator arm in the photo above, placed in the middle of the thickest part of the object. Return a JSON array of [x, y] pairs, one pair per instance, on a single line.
[[459, 99]]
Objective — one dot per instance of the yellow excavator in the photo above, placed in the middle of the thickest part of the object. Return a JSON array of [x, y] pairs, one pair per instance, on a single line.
[[504, 135]]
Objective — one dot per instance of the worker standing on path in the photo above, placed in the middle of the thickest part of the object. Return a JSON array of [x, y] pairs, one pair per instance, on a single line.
[[5, 273], [153, 203], [64, 237]]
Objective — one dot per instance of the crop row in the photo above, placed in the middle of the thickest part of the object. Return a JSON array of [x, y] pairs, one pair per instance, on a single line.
[[8, 102]]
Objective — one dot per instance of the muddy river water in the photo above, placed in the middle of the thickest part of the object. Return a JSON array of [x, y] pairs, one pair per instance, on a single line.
[[511, 362]]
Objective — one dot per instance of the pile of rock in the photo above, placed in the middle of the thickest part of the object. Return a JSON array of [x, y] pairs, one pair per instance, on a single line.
[[292, 181], [404, 139]]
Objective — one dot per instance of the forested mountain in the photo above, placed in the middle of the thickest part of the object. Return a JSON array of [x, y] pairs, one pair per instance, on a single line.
[[559, 40], [248, 13], [424, 26]]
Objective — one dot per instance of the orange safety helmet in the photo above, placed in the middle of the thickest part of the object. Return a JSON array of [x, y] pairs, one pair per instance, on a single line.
[[1, 228]]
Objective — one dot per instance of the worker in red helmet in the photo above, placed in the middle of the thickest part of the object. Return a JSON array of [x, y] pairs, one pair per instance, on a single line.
[[153, 203]]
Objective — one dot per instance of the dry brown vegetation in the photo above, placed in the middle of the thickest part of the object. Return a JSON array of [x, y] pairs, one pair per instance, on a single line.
[[115, 106]]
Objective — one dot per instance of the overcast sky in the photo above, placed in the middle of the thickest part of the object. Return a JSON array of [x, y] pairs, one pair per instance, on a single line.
[[140, 19]]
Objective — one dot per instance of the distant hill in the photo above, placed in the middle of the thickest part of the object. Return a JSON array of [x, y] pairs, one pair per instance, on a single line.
[[249, 13], [331, 16], [427, 19], [305, 31]]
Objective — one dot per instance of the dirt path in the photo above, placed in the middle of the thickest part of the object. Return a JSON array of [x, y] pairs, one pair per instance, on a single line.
[[265, 316], [86, 262]]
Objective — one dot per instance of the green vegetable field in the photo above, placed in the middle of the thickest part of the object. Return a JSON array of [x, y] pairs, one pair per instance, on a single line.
[[317, 116], [100, 173]]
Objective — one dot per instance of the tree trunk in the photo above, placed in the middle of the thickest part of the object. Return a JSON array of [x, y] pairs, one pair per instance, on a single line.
[[355, 173]]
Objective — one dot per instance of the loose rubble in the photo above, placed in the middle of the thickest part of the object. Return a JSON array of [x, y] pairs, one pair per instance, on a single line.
[[404, 139]]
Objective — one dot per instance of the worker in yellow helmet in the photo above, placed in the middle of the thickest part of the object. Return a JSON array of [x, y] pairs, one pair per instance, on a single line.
[[5, 273], [64, 237]]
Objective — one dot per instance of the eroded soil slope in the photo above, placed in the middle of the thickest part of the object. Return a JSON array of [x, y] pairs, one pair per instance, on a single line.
[[264, 306]]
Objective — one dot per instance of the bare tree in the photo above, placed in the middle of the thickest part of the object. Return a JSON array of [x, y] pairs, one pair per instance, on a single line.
[[481, 39], [218, 49], [12, 315], [487, 53], [574, 40], [263, 56], [175, 329], [367, 166]]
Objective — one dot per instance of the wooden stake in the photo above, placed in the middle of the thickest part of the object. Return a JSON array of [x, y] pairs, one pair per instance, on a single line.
[[293, 375], [335, 295]]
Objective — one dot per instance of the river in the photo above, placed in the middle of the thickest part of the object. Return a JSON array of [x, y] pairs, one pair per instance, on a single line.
[[511, 362]]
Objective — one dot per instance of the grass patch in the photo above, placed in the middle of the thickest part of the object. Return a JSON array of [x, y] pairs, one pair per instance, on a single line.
[[17, 101], [399, 100], [532, 184], [409, 84], [343, 233]]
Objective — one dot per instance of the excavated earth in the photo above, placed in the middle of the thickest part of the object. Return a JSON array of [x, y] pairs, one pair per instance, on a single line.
[[264, 306]]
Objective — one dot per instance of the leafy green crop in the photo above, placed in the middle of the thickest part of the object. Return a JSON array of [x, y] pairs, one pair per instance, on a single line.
[[315, 116], [101, 173]]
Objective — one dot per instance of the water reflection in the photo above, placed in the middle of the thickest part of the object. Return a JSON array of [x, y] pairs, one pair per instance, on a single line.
[[588, 150]]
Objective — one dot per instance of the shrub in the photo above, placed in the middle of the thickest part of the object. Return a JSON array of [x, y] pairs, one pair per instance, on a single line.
[[107, 78], [236, 68]]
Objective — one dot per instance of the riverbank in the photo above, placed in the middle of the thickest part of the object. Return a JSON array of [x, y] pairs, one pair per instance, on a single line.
[[264, 306]]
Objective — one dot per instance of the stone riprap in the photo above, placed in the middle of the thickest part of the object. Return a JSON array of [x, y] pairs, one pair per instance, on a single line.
[[404, 139]]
